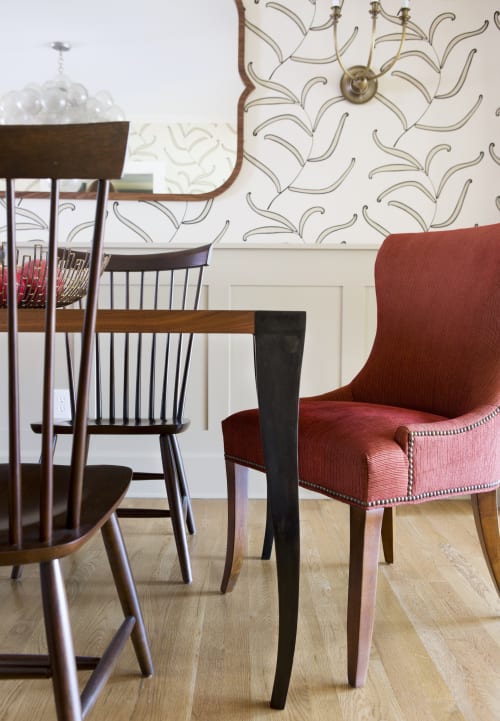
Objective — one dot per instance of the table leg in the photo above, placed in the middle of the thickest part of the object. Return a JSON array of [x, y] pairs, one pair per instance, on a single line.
[[279, 343]]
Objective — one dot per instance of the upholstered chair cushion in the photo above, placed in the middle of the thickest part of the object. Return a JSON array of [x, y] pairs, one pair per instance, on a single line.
[[371, 455]]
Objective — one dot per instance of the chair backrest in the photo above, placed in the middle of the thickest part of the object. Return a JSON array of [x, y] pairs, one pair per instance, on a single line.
[[437, 345], [144, 376], [55, 152]]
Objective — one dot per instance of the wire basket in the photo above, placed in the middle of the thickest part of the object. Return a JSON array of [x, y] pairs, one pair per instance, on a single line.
[[31, 276]]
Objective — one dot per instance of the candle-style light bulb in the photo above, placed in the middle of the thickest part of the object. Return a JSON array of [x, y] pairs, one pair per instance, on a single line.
[[335, 3], [405, 4]]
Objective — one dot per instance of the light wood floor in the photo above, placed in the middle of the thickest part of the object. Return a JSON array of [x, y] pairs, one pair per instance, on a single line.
[[436, 650]]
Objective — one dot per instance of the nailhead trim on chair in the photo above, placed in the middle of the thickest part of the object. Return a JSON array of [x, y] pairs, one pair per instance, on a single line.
[[454, 432], [400, 499], [410, 497]]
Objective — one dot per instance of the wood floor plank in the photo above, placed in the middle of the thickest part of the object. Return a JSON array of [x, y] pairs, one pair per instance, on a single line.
[[436, 648]]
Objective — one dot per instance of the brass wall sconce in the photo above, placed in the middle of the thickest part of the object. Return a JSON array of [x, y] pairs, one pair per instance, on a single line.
[[359, 83]]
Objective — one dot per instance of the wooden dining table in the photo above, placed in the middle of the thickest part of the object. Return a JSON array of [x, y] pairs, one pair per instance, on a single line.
[[278, 347]]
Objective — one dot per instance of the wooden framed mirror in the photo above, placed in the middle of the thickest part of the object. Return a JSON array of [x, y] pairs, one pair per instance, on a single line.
[[174, 67]]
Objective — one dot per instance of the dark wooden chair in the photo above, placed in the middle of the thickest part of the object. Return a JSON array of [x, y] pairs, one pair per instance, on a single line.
[[49, 511], [421, 420], [141, 379]]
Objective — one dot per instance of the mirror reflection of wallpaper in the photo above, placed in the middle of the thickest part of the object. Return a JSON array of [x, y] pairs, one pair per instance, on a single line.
[[318, 170], [179, 158]]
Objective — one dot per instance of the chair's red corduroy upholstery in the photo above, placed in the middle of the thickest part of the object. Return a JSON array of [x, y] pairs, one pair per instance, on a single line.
[[422, 418]]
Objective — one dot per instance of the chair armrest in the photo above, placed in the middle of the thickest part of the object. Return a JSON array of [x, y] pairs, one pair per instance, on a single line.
[[453, 456]]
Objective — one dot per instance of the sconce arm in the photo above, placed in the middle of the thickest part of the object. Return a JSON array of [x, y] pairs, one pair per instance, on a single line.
[[337, 52], [395, 58]]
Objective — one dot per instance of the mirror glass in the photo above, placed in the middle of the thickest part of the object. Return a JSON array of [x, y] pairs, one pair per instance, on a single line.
[[171, 67]]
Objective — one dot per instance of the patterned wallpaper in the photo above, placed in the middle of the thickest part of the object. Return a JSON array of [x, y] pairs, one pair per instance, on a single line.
[[318, 170]]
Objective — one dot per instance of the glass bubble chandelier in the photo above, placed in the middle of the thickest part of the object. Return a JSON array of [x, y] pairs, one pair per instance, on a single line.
[[57, 101]]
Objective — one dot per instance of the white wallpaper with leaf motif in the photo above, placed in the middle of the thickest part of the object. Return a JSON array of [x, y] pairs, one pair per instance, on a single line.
[[423, 154]]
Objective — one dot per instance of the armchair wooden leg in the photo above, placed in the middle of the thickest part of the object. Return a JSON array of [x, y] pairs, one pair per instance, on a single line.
[[125, 586], [60, 643], [175, 505], [237, 512], [388, 527], [484, 506], [365, 532]]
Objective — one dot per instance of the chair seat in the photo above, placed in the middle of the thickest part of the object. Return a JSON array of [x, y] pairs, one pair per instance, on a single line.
[[104, 487], [346, 449], [121, 426]]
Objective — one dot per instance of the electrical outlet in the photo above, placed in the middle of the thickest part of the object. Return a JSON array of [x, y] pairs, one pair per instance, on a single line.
[[62, 404]]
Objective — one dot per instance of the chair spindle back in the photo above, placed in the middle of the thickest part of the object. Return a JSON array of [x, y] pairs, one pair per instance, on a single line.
[[56, 152]]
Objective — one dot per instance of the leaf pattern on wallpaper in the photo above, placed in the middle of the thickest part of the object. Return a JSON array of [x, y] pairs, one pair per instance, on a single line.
[[458, 207], [269, 85], [455, 169], [373, 223], [80, 228], [432, 154], [459, 38], [495, 157], [308, 214], [421, 56], [413, 81], [407, 184], [437, 22], [426, 192], [410, 210], [413, 28], [202, 215], [330, 58], [174, 222], [455, 126], [333, 145], [329, 188], [271, 215], [319, 80], [134, 227], [288, 146], [335, 229], [411, 161], [164, 210], [461, 80], [284, 225], [290, 14], [306, 125], [35, 221], [393, 108], [287, 116], [267, 171], [266, 38], [431, 188], [323, 109]]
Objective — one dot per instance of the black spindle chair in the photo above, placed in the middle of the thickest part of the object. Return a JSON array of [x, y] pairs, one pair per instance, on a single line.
[[141, 379], [49, 511]]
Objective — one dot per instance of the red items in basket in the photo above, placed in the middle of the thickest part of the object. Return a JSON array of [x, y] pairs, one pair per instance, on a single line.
[[31, 281]]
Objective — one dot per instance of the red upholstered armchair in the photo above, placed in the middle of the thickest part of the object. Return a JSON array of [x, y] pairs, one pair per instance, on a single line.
[[420, 421]]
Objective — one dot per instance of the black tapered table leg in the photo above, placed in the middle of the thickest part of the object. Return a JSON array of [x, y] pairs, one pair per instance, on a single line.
[[267, 544], [279, 343]]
